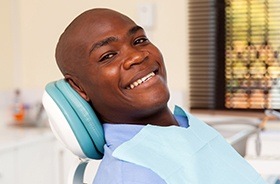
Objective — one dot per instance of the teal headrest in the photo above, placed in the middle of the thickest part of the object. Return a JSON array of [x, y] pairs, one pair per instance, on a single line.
[[79, 115]]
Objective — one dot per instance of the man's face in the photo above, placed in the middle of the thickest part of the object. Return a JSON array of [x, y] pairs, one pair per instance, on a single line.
[[124, 76]]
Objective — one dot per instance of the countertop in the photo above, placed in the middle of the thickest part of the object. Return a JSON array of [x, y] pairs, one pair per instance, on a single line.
[[12, 136]]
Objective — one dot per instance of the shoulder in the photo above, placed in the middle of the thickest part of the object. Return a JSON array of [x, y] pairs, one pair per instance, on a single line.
[[115, 171]]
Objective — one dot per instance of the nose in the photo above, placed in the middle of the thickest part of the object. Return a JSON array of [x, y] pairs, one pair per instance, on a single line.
[[134, 57]]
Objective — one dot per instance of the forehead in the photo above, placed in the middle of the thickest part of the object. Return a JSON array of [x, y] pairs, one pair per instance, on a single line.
[[88, 28], [97, 24]]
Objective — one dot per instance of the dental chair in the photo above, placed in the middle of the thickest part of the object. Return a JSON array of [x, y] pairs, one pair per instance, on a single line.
[[75, 124]]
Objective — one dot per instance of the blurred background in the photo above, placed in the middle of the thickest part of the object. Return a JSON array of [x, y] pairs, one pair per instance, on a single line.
[[222, 59]]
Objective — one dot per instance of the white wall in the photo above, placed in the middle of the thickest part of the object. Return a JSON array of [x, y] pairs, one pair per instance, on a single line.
[[6, 59], [32, 28]]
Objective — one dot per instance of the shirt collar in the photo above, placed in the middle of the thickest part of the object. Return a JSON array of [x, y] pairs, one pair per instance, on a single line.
[[116, 134]]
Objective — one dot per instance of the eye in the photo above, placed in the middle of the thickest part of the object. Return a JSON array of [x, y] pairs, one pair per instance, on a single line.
[[107, 56], [141, 40]]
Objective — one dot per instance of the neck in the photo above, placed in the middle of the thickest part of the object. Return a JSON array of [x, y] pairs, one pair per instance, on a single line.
[[158, 116], [162, 117]]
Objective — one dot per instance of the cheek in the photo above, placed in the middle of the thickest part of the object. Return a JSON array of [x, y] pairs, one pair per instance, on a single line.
[[110, 73], [157, 54], [108, 79], [104, 80], [159, 58]]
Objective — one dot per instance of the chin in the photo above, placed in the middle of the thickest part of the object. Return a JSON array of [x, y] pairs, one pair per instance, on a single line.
[[158, 101]]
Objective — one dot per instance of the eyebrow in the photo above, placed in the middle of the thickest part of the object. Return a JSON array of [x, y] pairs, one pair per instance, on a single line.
[[111, 39], [101, 43], [134, 29]]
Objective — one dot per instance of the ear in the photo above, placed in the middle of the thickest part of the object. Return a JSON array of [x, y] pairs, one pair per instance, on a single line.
[[77, 87]]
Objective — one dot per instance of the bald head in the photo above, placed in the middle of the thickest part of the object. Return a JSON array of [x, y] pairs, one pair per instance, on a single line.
[[73, 45]]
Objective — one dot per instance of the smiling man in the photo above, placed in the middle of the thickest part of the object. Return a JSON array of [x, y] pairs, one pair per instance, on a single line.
[[107, 58]]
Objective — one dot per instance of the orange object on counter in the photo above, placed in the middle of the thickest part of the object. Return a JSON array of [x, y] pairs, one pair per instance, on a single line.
[[18, 108]]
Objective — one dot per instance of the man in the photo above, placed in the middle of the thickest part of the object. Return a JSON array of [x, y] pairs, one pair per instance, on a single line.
[[107, 58]]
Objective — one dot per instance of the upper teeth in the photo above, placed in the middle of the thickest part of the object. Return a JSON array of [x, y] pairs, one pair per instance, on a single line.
[[140, 81]]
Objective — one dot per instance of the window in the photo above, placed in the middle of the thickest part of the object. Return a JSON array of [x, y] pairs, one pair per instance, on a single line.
[[234, 54], [252, 54]]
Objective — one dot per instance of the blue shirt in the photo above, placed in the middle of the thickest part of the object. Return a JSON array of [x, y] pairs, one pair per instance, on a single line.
[[115, 171]]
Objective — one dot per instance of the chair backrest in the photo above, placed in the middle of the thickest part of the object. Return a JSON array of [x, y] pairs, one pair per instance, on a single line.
[[73, 120]]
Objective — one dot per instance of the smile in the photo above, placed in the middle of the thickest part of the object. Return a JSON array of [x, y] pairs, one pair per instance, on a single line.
[[141, 80]]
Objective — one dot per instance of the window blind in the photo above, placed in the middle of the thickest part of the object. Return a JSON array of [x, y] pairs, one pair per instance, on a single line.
[[202, 53]]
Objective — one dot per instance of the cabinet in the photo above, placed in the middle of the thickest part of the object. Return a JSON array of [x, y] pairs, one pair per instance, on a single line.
[[268, 162], [34, 156], [27, 156], [7, 167], [35, 162], [64, 161], [67, 162]]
